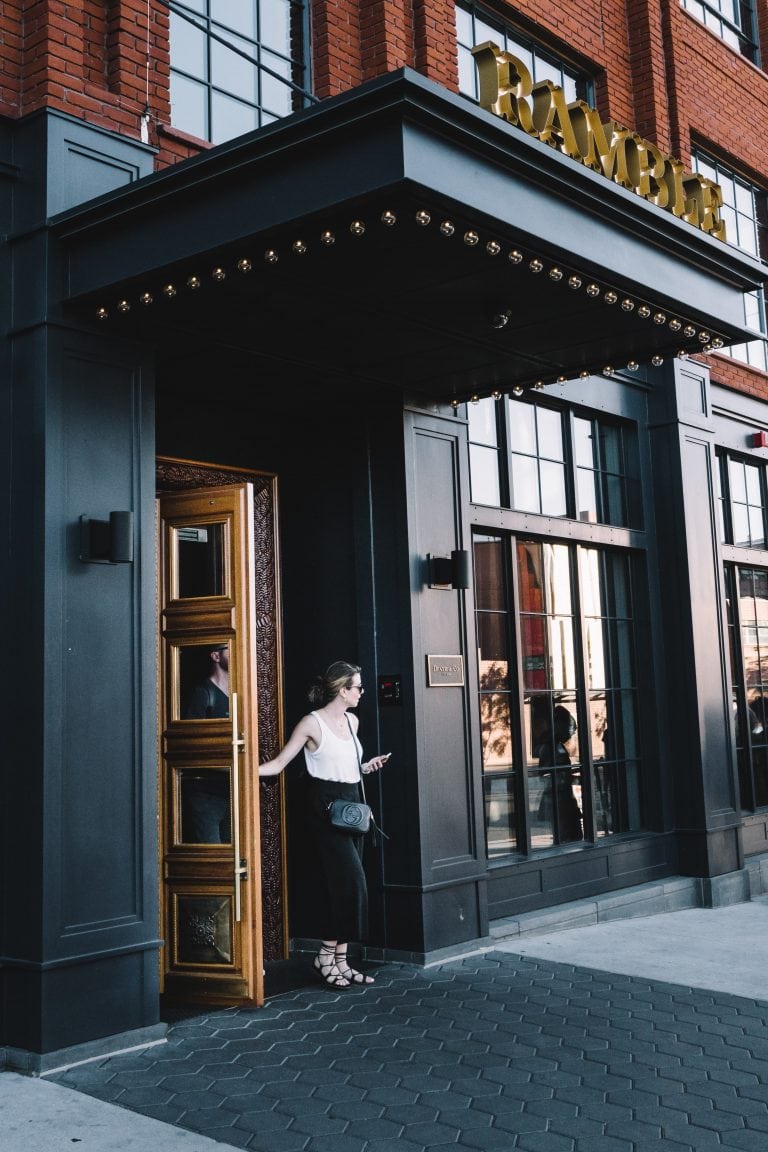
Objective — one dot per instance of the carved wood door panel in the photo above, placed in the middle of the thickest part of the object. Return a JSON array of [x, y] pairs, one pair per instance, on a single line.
[[174, 475]]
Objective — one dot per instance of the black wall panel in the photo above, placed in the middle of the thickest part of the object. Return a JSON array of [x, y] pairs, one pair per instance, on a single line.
[[83, 778]]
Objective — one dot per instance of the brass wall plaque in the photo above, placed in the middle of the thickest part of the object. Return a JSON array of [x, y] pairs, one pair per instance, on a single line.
[[445, 671]]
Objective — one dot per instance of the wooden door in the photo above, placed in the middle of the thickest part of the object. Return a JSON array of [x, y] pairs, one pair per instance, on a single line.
[[211, 904]]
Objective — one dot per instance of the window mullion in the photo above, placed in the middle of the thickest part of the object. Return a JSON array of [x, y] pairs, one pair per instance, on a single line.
[[517, 692], [570, 464], [209, 77], [585, 745], [505, 453], [742, 717]]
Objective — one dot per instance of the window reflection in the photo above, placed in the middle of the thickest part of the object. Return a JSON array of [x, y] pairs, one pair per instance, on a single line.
[[205, 805], [549, 433], [500, 815], [748, 632], [554, 501], [474, 26], [199, 560], [220, 85], [747, 504], [525, 484], [489, 573], [554, 778], [609, 649], [522, 429], [498, 757], [601, 472], [496, 731], [204, 681], [484, 474], [537, 460], [546, 624], [492, 652]]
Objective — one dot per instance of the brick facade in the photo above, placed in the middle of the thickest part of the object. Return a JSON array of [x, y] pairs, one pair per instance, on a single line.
[[656, 68]]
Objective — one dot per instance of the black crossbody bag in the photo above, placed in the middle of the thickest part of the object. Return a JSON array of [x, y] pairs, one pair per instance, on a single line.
[[354, 816]]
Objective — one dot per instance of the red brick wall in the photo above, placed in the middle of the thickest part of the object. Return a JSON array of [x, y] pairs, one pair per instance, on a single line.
[[11, 57], [87, 59]]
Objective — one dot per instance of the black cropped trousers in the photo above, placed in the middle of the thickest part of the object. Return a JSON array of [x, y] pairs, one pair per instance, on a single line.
[[339, 856]]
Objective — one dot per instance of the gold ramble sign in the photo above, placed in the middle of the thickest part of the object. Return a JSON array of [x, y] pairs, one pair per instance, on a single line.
[[507, 89]]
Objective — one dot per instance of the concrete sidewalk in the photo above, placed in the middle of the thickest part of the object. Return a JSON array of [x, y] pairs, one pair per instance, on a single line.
[[618, 1037], [720, 949], [39, 1116]]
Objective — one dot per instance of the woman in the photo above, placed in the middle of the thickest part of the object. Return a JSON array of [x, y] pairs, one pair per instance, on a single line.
[[333, 756], [566, 811]]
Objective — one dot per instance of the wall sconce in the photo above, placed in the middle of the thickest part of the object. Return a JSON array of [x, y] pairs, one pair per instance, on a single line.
[[449, 571], [107, 541]]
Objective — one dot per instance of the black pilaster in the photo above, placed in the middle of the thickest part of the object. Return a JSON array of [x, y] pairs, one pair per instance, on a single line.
[[700, 752]]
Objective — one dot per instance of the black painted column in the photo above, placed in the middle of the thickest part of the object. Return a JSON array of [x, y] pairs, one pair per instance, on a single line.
[[700, 757], [453, 893], [78, 850], [80, 842]]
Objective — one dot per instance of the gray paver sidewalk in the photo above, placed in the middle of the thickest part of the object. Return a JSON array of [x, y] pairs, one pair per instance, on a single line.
[[723, 949], [495, 1052]]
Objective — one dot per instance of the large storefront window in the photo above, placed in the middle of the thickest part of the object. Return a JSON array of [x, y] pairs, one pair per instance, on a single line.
[[747, 597], [558, 692], [555, 623], [743, 506], [474, 25], [235, 65]]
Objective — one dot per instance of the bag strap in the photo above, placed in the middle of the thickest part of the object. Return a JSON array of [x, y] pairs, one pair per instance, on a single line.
[[362, 785], [357, 754]]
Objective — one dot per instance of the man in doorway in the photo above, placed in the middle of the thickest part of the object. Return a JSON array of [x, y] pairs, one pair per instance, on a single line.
[[205, 807], [210, 698]]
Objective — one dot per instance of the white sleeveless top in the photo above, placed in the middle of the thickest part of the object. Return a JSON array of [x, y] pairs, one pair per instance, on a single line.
[[334, 758]]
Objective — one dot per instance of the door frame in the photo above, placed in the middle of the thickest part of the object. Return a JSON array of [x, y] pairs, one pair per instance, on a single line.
[[175, 474]]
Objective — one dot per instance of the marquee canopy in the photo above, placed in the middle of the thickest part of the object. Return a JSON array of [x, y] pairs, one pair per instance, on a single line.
[[400, 237]]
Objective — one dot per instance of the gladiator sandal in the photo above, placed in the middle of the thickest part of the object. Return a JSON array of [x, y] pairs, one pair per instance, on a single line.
[[327, 969], [350, 974]]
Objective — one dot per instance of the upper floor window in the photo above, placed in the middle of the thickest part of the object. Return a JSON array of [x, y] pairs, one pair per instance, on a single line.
[[475, 26], [732, 20], [553, 462], [745, 213], [743, 502], [235, 64]]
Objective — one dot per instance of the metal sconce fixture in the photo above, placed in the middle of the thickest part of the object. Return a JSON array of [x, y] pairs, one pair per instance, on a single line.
[[449, 571], [107, 541]]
